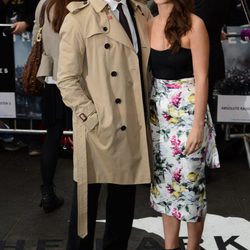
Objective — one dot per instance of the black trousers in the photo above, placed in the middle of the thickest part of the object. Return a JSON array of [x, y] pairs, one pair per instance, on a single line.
[[50, 152], [55, 117], [119, 218]]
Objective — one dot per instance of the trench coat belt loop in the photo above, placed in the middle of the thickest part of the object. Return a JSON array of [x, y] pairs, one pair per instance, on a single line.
[[82, 195]]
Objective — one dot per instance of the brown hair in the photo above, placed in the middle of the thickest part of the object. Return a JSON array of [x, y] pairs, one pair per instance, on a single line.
[[179, 22], [60, 11]]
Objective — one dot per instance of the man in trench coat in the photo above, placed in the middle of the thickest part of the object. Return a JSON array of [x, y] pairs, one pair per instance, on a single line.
[[103, 77]]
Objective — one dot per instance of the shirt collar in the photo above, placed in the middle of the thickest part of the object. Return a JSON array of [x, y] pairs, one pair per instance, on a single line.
[[113, 4]]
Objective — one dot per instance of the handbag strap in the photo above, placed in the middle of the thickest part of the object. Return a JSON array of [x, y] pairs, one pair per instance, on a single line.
[[42, 14]]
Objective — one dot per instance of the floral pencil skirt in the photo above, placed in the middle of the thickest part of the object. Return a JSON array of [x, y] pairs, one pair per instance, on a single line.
[[178, 187]]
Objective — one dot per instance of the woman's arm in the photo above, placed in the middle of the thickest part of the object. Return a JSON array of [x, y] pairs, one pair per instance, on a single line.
[[36, 21], [199, 44]]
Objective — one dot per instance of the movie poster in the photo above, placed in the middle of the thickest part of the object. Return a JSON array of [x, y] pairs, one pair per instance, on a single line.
[[14, 103], [27, 107], [7, 74]]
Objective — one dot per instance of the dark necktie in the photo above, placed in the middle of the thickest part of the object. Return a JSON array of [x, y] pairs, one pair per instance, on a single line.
[[124, 22]]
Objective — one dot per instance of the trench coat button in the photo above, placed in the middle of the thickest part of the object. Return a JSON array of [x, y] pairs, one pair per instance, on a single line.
[[105, 28], [118, 100], [113, 73], [106, 45], [123, 128]]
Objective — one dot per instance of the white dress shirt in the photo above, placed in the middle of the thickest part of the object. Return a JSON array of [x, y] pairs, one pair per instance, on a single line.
[[49, 80], [113, 6]]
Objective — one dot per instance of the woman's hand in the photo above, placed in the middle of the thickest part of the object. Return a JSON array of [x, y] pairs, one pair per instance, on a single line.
[[194, 140]]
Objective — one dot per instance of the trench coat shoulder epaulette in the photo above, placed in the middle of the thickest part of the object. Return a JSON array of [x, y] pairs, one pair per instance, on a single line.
[[75, 7], [143, 9]]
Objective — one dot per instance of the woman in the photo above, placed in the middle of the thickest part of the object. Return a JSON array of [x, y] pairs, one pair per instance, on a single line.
[[182, 132], [55, 115]]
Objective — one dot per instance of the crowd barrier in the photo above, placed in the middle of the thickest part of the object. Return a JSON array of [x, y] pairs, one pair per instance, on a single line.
[[15, 105]]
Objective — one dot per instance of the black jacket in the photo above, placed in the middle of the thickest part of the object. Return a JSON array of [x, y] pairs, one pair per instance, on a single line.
[[237, 15], [214, 14]]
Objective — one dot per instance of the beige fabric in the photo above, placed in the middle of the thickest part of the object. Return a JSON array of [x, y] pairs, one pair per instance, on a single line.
[[142, 1], [103, 153], [49, 61]]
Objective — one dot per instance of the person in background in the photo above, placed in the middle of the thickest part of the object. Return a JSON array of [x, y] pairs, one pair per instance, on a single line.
[[55, 115], [237, 15], [3, 9], [182, 130], [103, 78], [217, 15], [21, 14]]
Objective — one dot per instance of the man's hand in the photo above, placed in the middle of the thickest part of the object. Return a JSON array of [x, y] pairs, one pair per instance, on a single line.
[[223, 36], [19, 27]]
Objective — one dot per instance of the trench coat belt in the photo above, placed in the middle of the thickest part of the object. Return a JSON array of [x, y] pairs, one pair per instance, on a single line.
[[82, 208], [82, 193]]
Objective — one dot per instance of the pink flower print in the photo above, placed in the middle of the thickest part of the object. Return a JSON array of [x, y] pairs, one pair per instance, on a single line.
[[166, 116], [176, 213], [176, 145], [173, 85], [210, 133], [203, 155], [177, 175], [170, 189], [175, 100]]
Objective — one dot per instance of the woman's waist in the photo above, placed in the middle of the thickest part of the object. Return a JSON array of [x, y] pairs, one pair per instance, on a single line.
[[172, 74], [174, 84]]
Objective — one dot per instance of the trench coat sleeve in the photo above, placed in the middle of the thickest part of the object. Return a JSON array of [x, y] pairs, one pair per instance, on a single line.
[[70, 70]]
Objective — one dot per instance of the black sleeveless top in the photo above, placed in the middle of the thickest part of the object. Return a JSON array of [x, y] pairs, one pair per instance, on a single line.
[[171, 66]]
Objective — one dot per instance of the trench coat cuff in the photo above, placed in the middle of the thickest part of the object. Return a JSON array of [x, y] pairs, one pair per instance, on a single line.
[[91, 121]]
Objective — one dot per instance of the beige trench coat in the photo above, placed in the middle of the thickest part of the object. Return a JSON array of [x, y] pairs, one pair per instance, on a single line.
[[99, 78]]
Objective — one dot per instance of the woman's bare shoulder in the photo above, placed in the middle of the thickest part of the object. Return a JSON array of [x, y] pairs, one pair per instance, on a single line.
[[197, 23]]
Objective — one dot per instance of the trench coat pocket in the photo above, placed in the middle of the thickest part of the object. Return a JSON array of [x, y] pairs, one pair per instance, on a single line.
[[91, 122]]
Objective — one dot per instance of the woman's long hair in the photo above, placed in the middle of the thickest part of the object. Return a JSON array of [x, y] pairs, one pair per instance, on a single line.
[[59, 12], [179, 22]]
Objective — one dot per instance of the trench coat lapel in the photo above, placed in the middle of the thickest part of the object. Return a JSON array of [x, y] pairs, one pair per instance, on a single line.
[[117, 32], [115, 29]]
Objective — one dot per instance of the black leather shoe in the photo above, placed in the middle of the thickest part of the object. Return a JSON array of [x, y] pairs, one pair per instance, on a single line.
[[50, 201]]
